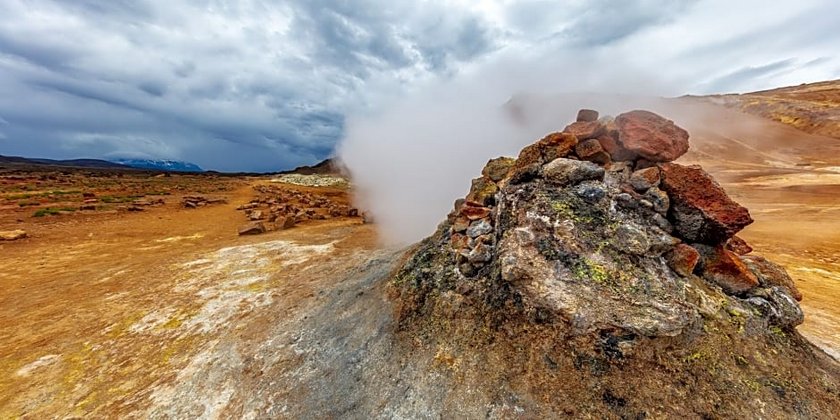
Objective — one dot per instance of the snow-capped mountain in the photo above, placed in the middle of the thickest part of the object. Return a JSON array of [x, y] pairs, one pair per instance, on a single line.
[[162, 165]]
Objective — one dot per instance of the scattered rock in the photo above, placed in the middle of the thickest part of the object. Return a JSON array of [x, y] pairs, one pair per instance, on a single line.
[[700, 209], [12, 235], [253, 228], [616, 151], [651, 136], [256, 215], [482, 191], [776, 305]]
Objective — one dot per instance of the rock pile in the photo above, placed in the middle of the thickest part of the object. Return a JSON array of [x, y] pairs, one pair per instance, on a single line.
[[593, 276], [598, 226], [278, 208]]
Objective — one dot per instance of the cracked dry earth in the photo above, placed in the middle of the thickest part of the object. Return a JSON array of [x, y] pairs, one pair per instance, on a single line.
[[168, 314]]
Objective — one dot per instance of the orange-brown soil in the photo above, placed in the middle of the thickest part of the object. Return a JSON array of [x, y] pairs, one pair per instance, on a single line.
[[101, 309]]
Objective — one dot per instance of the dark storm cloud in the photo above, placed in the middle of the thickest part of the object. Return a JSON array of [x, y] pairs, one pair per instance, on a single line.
[[267, 85]]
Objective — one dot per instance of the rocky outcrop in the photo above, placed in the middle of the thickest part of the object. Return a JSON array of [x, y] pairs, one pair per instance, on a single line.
[[279, 207], [567, 279]]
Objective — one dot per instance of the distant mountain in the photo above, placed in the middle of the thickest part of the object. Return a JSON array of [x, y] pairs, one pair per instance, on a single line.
[[813, 107], [75, 163], [327, 166], [160, 165]]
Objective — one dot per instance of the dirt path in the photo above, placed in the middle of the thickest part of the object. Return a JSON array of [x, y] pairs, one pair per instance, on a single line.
[[103, 317]]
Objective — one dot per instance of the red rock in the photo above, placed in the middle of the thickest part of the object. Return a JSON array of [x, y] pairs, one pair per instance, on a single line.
[[683, 259], [700, 209], [645, 179], [617, 152], [459, 241], [475, 213], [585, 130], [651, 136], [533, 156], [771, 274], [556, 145], [587, 115], [591, 150], [725, 268], [285, 222], [738, 246], [460, 224]]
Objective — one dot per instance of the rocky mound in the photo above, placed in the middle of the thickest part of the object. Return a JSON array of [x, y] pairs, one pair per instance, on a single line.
[[593, 276]]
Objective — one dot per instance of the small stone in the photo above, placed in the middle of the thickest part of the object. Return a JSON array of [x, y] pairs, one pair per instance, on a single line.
[[587, 115], [568, 171], [498, 169], [256, 215], [644, 179], [458, 241], [771, 274], [482, 253], [474, 213], [659, 199], [285, 222], [478, 228], [723, 267], [738, 246], [683, 259], [12, 235], [556, 145], [461, 224], [253, 228], [591, 150], [591, 191], [483, 191]]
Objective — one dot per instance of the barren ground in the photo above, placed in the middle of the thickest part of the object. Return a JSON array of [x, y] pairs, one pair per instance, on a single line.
[[168, 313]]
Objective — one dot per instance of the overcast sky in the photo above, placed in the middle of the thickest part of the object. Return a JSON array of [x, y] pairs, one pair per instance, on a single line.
[[268, 85]]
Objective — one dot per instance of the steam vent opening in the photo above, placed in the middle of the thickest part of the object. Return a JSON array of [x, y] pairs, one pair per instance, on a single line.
[[593, 274]]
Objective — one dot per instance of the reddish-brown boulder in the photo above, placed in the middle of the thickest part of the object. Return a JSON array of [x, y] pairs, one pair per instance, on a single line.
[[253, 228], [771, 274], [592, 151], [617, 152], [651, 136], [725, 268], [556, 145], [585, 130], [700, 209], [532, 157], [645, 179], [587, 115], [682, 259]]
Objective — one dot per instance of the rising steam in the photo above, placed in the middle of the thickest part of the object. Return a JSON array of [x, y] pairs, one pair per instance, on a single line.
[[412, 159]]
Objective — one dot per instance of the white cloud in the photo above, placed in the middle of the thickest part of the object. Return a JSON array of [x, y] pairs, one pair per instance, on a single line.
[[262, 85]]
